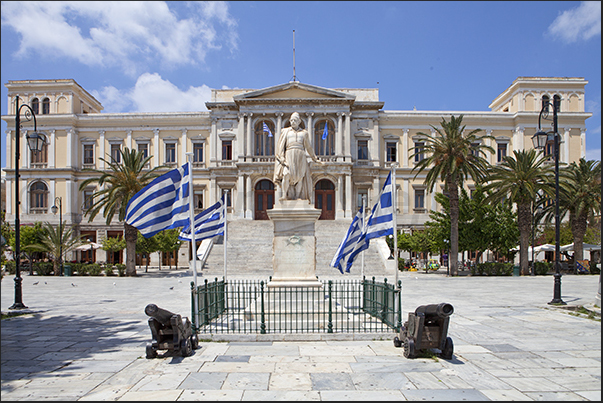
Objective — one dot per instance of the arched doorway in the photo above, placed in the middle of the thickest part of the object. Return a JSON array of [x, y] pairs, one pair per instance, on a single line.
[[264, 199], [324, 192]]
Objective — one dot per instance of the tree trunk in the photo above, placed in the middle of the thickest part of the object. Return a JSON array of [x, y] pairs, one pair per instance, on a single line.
[[453, 194], [579, 225], [524, 222], [131, 235]]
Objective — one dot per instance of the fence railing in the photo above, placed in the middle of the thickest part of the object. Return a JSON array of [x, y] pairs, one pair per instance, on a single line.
[[251, 306]]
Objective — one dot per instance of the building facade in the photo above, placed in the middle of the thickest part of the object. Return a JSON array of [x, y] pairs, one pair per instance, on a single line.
[[233, 142]]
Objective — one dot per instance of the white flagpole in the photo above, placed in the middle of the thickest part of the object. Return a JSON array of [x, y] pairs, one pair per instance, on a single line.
[[394, 216], [225, 228], [191, 212], [363, 225]]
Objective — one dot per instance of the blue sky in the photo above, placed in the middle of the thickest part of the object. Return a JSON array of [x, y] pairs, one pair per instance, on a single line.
[[167, 56]]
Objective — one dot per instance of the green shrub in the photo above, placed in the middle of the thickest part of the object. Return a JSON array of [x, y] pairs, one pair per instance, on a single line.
[[108, 269], [76, 268], [121, 269], [593, 268], [94, 269], [542, 268], [11, 267], [492, 269], [44, 268]]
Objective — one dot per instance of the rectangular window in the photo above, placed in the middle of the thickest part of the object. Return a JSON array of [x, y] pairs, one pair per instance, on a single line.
[[198, 200], [170, 153], [390, 152], [474, 149], [419, 198], [502, 152], [198, 152], [419, 145], [362, 193], [363, 149], [40, 157], [115, 155], [88, 154], [227, 150], [88, 199], [144, 149]]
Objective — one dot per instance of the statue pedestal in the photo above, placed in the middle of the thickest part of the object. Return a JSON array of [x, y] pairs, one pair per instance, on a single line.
[[294, 244]]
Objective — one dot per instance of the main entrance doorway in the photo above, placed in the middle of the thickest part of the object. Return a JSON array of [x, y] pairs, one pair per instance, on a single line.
[[325, 199], [264, 199]]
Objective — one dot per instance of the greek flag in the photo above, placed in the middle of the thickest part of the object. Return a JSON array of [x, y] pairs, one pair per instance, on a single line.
[[162, 204], [348, 244], [208, 223], [380, 223], [325, 133], [267, 130]]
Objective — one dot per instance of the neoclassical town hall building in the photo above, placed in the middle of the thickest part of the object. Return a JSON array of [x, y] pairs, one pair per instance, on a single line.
[[233, 150]]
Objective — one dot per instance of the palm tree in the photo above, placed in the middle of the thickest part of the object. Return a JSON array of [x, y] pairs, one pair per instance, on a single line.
[[57, 242], [580, 196], [520, 179], [117, 185], [452, 156]]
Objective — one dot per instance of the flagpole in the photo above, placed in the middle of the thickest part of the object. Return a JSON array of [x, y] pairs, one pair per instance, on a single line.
[[363, 224], [394, 216], [191, 212], [225, 228]]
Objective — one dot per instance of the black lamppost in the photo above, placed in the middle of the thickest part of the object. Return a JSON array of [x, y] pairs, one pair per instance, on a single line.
[[35, 142], [447, 242], [540, 140], [54, 211]]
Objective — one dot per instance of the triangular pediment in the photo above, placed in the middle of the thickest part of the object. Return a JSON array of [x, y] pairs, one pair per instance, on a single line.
[[293, 90]]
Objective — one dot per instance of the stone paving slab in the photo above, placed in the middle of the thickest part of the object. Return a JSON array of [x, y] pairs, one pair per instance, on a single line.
[[86, 341]]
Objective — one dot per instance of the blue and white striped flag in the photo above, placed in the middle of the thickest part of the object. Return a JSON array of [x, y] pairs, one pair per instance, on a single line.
[[208, 224], [162, 204], [325, 133], [380, 223], [348, 244], [267, 130]]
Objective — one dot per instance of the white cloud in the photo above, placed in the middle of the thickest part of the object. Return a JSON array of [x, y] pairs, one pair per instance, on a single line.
[[580, 23], [126, 34], [152, 93]]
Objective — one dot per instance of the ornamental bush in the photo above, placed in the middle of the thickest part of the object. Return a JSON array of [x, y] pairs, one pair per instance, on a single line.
[[492, 269]]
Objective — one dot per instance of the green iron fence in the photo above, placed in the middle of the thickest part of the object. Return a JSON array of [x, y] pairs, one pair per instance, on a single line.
[[251, 306]]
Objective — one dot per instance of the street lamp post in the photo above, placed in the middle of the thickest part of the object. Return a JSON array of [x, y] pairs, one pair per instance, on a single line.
[[54, 211], [540, 140], [447, 242], [35, 142]]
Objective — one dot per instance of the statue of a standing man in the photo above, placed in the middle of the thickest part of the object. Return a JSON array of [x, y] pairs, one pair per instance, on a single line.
[[291, 168]]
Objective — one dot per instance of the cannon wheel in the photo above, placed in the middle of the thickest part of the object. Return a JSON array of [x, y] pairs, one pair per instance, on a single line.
[[194, 342], [185, 347], [397, 342], [409, 348], [151, 352], [448, 349]]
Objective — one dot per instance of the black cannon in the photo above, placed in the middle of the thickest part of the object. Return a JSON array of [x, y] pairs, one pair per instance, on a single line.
[[170, 332], [426, 328]]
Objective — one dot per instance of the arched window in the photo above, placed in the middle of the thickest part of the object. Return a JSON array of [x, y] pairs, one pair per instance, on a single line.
[[35, 105], [264, 138], [45, 106], [39, 159], [38, 197], [557, 102], [545, 102], [324, 141]]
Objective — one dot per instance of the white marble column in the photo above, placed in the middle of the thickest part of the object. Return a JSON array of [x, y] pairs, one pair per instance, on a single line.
[[70, 153], [101, 145], [279, 127], [9, 150], [339, 193], [566, 145], [69, 199], [155, 148], [183, 145], [346, 147], [240, 198], [213, 144], [310, 127], [405, 148], [241, 137], [583, 143], [340, 134], [405, 196], [249, 194], [51, 148], [249, 151], [129, 139], [518, 138], [375, 144], [349, 200]]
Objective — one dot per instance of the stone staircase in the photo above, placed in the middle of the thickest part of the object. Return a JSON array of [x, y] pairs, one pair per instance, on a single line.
[[249, 251]]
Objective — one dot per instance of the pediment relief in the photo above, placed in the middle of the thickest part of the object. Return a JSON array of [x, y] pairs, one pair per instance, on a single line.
[[293, 90]]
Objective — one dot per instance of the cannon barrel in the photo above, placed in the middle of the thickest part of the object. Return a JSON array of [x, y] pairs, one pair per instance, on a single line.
[[162, 315], [442, 310]]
